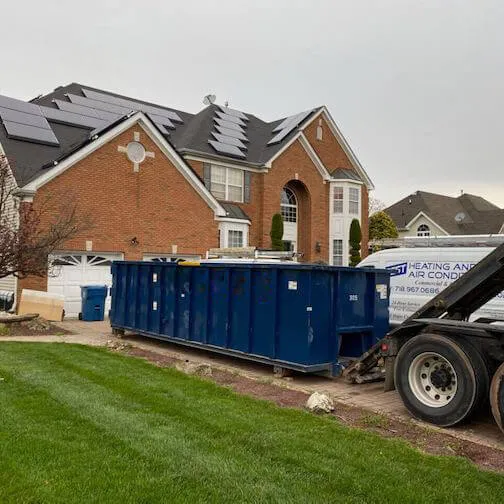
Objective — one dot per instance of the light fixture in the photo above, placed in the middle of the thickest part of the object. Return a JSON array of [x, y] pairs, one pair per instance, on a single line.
[[318, 247], [134, 241]]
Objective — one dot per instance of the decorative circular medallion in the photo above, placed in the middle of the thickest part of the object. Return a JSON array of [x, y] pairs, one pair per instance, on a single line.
[[135, 152]]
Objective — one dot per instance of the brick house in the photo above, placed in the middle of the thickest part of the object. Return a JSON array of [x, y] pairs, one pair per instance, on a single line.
[[162, 184]]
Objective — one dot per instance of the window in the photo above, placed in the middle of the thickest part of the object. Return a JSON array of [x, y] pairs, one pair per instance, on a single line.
[[353, 201], [235, 238], [288, 205], [226, 183], [338, 200], [337, 252], [423, 230]]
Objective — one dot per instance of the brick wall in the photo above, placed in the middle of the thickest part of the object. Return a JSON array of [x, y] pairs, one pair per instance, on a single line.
[[313, 225], [156, 205]]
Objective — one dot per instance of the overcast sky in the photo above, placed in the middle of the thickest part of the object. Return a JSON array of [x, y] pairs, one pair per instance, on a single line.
[[417, 87]]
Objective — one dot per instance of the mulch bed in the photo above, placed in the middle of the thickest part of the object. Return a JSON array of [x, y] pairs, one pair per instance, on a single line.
[[423, 438]]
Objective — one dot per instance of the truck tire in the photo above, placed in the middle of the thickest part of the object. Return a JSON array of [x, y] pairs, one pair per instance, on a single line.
[[497, 396], [440, 380]]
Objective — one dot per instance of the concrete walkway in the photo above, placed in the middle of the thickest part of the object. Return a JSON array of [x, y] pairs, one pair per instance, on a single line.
[[482, 430]]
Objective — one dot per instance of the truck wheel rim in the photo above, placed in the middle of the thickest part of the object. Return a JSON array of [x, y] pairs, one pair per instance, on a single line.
[[432, 379]]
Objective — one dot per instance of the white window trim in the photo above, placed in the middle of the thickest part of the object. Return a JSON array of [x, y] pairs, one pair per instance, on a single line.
[[231, 225]]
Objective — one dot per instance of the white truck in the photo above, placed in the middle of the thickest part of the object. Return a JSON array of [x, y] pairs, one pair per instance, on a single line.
[[420, 273]]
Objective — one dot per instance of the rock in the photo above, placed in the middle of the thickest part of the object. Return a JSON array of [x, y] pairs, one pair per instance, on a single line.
[[37, 324], [320, 403], [117, 345], [195, 368]]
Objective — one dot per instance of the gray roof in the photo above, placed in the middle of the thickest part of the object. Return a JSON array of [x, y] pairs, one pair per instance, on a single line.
[[475, 215], [345, 173], [234, 211], [29, 160]]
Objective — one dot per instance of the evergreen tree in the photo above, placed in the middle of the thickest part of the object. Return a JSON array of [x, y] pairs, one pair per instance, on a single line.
[[276, 232]]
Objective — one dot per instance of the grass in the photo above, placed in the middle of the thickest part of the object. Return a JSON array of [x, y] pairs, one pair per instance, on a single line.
[[81, 424]]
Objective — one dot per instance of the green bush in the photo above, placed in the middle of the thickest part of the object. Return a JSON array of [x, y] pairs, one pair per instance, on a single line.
[[355, 242], [276, 232]]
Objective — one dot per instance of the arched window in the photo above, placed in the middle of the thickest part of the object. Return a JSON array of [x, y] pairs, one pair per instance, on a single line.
[[423, 230], [288, 205]]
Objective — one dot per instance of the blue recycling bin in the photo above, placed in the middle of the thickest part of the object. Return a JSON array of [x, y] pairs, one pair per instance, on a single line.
[[93, 302]]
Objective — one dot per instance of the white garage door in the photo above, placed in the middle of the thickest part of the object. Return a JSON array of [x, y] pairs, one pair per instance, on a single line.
[[70, 271]]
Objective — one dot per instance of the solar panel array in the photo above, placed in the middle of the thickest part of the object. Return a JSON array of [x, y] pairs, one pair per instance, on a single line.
[[94, 111], [287, 125], [230, 132], [25, 121]]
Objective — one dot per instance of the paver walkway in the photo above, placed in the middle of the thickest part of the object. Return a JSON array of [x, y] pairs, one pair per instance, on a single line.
[[368, 396]]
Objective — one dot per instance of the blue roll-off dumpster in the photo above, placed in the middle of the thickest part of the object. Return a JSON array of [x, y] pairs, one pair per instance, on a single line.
[[93, 302], [295, 316]]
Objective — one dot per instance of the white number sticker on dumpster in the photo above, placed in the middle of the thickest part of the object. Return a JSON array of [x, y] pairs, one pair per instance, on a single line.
[[353, 297], [292, 285], [382, 290]]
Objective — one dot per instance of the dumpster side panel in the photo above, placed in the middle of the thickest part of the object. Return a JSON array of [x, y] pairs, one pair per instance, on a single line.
[[295, 335], [219, 305], [320, 318], [183, 302], [199, 307], [239, 310], [169, 289], [263, 312]]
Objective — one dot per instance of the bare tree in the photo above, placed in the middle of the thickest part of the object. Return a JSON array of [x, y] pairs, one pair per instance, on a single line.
[[375, 205], [29, 234]]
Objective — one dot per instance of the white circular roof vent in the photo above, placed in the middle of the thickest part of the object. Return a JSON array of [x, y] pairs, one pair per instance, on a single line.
[[135, 152]]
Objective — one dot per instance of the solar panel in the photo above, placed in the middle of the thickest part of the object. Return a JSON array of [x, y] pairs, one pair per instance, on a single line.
[[228, 125], [226, 149], [233, 112], [23, 118], [231, 133], [98, 105], [288, 122], [134, 105], [288, 125], [21, 106], [31, 133], [162, 129], [91, 112], [229, 140], [63, 117], [161, 120], [230, 118]]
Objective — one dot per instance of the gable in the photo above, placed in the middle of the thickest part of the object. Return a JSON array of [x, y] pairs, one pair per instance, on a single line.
[[144, 125]]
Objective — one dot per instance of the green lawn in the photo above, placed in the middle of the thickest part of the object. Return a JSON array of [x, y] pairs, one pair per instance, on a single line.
[[80, 424]]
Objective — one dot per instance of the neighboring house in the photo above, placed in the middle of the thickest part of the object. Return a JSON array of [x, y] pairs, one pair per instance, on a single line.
[[162, 184], [430, 214]]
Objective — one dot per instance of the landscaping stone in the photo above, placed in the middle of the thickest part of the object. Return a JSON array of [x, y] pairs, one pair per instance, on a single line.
[[320, 403], [195, 368]]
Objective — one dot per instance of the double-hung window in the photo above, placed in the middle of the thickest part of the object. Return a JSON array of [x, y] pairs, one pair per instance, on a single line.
[[226, 183], [353, 201], [337, 252], [338, 200]]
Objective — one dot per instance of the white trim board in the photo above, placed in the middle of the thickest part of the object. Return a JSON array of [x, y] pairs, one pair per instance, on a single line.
[[153, 133], [224, 163]]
